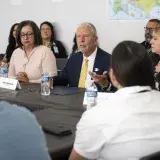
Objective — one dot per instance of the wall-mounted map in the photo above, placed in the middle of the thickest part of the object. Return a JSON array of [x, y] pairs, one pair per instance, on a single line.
[[134, 9]]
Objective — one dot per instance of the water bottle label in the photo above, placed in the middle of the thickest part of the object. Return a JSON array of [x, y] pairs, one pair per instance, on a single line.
[[91, 93], [45, 78], [3, 70]]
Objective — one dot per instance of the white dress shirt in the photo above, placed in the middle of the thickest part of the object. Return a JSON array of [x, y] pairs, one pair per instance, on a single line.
[[91, 60], [126, 126]]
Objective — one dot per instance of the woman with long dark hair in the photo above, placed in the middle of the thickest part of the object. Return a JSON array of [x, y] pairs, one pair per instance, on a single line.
[[12, 44]]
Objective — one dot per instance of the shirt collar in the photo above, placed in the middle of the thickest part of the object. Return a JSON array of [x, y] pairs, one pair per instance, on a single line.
[[92, 56], [132, 90]]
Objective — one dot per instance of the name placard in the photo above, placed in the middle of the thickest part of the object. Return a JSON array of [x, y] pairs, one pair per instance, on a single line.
[[9, 83]]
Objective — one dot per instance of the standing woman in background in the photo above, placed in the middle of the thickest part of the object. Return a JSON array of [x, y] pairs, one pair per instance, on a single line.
[[12, 44], [48, 37], [31, 59]]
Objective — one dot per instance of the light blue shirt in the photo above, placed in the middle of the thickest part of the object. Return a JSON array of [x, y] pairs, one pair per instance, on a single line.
[[21, 137]]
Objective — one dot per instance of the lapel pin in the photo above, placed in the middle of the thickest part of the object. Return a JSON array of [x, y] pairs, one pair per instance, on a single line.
[[96, 69]]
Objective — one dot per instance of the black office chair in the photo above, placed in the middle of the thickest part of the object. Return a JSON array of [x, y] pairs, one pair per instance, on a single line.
[[61, 62], [153, 156]]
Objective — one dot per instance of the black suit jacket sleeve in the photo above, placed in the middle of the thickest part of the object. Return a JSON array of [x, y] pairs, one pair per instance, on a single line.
[[71, 72]]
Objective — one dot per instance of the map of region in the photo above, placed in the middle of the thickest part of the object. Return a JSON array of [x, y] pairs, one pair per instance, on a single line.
[[134, 9]]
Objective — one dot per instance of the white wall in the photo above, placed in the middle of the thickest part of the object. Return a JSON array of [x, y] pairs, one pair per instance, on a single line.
[[67, 15]]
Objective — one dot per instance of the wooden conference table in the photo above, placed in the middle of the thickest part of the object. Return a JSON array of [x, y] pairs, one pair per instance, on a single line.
[[60, 109]]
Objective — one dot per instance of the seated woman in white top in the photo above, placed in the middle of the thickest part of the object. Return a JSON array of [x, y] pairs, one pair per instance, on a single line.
[[126, 125], [31, 59]]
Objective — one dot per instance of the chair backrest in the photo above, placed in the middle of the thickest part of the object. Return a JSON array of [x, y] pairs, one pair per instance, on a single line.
[[153, 156], [61, 62]]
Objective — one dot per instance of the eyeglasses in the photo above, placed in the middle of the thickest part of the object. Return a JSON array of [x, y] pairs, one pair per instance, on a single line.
[[148, 29], [28, 35]]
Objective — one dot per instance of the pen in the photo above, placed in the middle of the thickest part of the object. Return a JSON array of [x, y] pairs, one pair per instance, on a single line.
[[30, 89]]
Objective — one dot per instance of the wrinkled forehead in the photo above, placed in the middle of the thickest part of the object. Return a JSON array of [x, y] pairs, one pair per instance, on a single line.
[[151, 24]]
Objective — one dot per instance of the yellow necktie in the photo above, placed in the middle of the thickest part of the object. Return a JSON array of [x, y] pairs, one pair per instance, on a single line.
[[83, 74]]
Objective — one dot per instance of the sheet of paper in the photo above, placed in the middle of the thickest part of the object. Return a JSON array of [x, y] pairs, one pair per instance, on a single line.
[[101, 96]]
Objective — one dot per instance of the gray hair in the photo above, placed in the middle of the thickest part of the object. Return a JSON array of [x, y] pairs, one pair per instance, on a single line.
[[87, 24]]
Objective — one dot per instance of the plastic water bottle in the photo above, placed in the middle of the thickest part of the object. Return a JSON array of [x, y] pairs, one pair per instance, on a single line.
[[91, 93], [3, 70], [45, 85]]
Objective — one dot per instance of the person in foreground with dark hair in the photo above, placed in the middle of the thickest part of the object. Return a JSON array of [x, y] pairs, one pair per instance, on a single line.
[[31, 59], [127, 124], [49, 40], [21, 135]]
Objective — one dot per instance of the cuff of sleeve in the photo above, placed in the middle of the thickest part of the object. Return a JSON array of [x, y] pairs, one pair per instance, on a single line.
[[83, 154]]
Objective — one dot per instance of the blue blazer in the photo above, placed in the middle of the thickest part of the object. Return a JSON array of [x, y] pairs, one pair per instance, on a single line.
[[71, 72]]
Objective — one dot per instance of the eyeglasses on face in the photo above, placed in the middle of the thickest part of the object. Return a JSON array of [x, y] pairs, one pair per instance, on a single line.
[[28, 35], [148, 29]]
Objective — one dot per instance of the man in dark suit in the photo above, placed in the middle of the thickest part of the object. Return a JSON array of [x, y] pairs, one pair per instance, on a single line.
[[98, 60]]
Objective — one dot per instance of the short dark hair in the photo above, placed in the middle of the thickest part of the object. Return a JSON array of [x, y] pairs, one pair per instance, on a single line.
[[36, 31], [132, 65], [52, 30], [154, 20]]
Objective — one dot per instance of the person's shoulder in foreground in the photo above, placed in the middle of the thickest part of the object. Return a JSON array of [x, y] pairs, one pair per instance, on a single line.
[[122, 123], [20, 134], [128, 122]]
